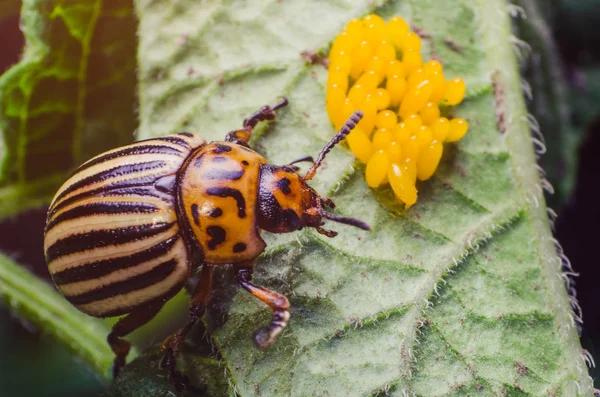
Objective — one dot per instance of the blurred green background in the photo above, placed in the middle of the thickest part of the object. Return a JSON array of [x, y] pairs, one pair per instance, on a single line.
[[564, 63]]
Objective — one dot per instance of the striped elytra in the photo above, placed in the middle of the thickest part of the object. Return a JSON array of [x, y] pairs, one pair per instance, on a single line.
[[123, 232], [113, 241]]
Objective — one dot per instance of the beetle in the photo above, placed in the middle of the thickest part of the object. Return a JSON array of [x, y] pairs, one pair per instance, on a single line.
[[121, 232]]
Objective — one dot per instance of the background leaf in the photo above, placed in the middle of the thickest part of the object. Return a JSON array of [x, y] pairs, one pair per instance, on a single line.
[[53, 108], [462, 294]]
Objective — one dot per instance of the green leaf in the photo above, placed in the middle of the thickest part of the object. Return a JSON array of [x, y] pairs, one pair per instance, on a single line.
[[34, 300], [71, 96], [462, 294]]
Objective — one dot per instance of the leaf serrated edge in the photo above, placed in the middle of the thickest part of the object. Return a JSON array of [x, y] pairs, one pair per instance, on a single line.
[[495, 23]]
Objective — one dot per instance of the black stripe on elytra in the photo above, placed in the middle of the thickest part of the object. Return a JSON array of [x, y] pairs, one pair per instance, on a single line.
[[126, 286], [215, 213], [103, 208], [284, 185], [157, 301], [131, 151], [220, 174], [126, 187], [220, 148], [114, 172], [195, 214], [239, 247], [218, 236], [229, 192], [104, 238], [90, 271], [175, 140], [188, 134]]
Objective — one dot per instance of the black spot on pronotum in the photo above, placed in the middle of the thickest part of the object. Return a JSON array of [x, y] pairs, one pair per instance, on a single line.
[[198, 162], [284, 185], [215, 212], [229, 192], [219, 159], [239, 247], [220, 174], [195, 214], [244, 162], [217, 234], [220, 148]]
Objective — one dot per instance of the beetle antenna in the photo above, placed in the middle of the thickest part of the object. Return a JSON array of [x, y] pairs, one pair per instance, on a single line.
[[344, 131], [347, 221]]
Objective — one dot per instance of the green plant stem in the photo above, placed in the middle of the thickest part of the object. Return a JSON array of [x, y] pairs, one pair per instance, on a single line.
[[33, 299]]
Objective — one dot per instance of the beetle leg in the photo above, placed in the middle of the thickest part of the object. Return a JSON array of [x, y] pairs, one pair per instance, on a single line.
[[173, 343], [124, 326], [266, 113], [277, 302]]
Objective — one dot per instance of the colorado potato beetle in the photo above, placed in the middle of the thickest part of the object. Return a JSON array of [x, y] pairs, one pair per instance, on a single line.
[[121, 232]]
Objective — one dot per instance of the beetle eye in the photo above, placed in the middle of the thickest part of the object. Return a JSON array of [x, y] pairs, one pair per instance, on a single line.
[[291, 219]]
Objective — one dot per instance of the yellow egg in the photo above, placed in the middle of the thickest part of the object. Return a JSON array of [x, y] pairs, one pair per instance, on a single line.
[[343, 42], [415, 99], [395, 68], [346, 110], [430, 113], [455, 91], [396, 86], [355, 29], [409, 166], [341, 65], [357, 93], [429, 159], [432, 66], [374, 28], [416, 78], [412, 41], [403, 188], [412, 148], [458, 129], [377, 65], [386, 51], [413, 123], [339, 80], [438, 81], [402, 133], [369, 80], [440, 128], [377, 168], [369, 109], [333, 103], [424, 135], [360, 144], [381, 139], [386, 119], [397, 28], [337, 58], [394, 150], [360, 57], [382, 98], [412, 60]]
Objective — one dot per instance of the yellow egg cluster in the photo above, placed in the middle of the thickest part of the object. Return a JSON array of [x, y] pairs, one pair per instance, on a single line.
[[376, 67]]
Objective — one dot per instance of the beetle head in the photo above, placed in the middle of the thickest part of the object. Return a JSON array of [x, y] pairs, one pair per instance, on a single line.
[[286, 202]]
